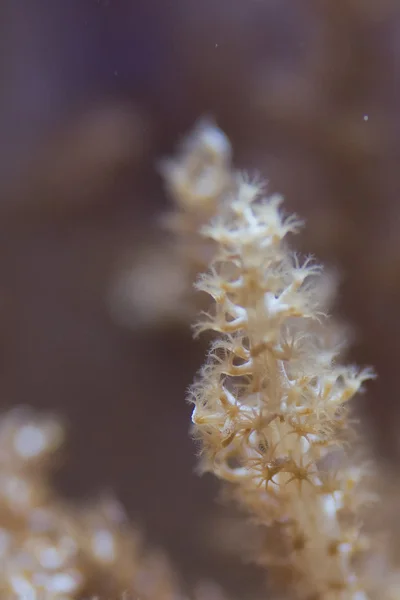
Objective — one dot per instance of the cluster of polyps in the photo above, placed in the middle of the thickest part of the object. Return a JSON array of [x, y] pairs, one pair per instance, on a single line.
[[54, 550], [271, 402]]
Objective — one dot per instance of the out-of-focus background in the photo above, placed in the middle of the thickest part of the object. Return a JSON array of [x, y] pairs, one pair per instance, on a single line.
[[93, 94]]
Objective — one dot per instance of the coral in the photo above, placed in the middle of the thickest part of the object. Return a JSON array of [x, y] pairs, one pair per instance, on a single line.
[[271, 404], [158, 288], [53, 549]]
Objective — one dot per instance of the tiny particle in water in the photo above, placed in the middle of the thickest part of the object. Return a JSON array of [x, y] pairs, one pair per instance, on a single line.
[[366, 117]]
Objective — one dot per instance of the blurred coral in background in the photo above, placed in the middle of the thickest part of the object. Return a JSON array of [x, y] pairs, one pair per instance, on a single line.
[[94, 93]]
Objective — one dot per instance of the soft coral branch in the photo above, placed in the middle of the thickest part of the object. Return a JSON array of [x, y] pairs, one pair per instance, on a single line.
[[271, 403]]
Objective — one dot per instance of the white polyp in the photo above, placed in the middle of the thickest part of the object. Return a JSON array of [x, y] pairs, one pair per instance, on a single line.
[[273, 305], [50, 558], [229, 396], [345, 548], [304, 444], [103, 545], [215, 140], [253, 438], [63, 583], [30, 441], [338, 497], [329, 506], [22, 587]]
